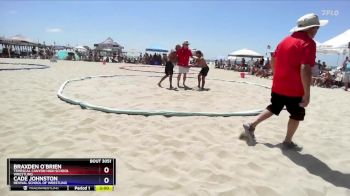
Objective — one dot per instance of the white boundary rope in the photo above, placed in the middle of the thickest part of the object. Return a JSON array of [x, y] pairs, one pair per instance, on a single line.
[[168, 113], [35, 66]]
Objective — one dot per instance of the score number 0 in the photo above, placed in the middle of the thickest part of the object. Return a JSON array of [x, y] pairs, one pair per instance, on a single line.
[[106, 179]]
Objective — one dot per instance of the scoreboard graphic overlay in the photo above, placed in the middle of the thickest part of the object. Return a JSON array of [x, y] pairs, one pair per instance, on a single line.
[[85, 174]]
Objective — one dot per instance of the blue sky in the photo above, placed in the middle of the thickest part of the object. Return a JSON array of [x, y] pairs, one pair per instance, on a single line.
[[215, 27]]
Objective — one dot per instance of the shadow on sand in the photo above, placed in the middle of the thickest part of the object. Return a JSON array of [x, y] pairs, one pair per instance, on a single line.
[[315, 166]]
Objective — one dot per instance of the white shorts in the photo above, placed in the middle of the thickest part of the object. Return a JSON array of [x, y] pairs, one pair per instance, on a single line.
[[346, 77], [183, 69]]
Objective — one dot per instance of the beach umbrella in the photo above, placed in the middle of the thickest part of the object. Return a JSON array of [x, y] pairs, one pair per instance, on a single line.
[[246, 53]]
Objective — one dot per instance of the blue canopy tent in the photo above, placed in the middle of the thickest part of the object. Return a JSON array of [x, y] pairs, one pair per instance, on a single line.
[[156, 59], [156, 48], [67, 55]]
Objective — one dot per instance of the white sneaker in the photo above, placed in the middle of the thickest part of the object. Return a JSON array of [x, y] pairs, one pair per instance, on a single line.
[[249, 132]]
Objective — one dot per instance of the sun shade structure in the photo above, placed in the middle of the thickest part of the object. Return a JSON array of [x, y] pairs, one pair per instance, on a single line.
[[17, 46], [246, 53], [108, 44], [21, 38], [18, 40], [108, 48]]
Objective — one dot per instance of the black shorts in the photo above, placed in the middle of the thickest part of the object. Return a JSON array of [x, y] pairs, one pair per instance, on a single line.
[[292, 104], [204, 71], [169, 68]]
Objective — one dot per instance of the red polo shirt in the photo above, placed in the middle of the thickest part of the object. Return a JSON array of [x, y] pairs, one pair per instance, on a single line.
[[290, 54], [183, 56]]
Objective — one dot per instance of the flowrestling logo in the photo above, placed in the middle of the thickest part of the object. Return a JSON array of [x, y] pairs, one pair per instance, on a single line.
[[330, 12]]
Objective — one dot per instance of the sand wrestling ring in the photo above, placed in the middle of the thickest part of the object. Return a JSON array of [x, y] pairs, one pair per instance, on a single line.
[[143, 92], [20, 66]]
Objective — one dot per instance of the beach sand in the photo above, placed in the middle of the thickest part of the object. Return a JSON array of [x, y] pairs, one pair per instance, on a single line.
[[159, 155]]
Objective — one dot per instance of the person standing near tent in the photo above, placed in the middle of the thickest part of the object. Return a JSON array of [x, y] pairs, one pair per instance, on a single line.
[[346, 77], [183, 55], [291, 65], [169, 66]]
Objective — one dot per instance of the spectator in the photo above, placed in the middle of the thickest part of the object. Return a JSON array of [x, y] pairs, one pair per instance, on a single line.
[[319, 64], [346, 76], [315, 74], [261, 62], [324, 66]]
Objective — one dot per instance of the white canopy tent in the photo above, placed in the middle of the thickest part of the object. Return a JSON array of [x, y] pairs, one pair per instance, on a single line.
[[339, 41], [245, 53], [337, 51], [336, 45], [81, 48]]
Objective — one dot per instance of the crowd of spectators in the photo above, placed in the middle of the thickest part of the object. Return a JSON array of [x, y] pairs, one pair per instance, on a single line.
[[323, 75], [146, 58], [88, 55], [34, 53], [258, 67]]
